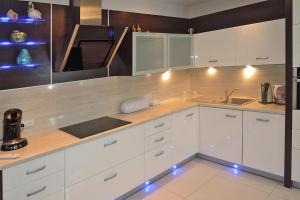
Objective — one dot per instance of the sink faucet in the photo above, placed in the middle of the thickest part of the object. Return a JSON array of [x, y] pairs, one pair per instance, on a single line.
[[228, 94]]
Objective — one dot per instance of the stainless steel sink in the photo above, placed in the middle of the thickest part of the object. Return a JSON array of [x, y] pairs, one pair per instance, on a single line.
[[236, 101]]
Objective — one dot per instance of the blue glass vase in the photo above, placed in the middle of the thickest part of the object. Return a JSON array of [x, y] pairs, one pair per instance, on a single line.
[[24, 58]]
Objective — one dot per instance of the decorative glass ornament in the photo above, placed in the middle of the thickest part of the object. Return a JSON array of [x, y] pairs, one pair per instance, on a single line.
[[24, 58], [18, 36]]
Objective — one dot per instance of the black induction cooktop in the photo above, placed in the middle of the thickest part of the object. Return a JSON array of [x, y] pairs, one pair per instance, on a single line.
[[94, 127]]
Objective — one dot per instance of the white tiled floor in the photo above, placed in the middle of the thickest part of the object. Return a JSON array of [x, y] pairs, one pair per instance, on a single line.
[[203, 180]]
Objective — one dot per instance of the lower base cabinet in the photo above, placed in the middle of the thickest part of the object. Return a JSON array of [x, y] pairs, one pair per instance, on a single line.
[[221, 134], [296, 166], [158, 161], [110, 184], [47, 188], [263, 142]]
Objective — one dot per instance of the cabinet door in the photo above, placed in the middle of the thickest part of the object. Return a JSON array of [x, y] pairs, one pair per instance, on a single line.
[[61, 2], [221, 134], [85, 160], [181, 51], [216, 48], [263, 142], [185, 134], [296, 11], [296, 165], [110, 184], [149, 53], [296, 45], [261, 43]]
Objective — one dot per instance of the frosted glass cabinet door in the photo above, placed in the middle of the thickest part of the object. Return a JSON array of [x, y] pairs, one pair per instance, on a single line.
[[149, 53], [180, 51]]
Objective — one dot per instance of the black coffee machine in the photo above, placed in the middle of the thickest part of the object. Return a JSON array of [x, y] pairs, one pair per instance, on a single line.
[[12, 128]]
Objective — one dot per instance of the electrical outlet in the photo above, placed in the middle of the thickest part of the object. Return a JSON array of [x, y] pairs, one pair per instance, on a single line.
[[28, 124]]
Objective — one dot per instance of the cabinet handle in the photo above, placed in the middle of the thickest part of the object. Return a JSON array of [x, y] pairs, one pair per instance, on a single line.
[[262, 58], [36, 170], [111, 143], [263, 120], [36, 192], [230, 116], [159, 125], [159, 140], [213, 61], [190, 115], [159, 154], [111, 177]]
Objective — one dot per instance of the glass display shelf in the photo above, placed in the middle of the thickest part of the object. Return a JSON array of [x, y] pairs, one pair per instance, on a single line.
[[22, 20], [27, 43], [29, 66]]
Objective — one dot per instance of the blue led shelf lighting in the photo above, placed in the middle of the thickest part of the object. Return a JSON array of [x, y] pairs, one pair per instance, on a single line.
[[9, 67], [8, 43], [22, 20]]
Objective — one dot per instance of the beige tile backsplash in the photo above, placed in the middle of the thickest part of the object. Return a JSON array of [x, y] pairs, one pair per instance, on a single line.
[[74, 102]]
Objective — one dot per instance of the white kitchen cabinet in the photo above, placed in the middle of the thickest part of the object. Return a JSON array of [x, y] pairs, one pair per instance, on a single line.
[[32, 170], [158, 125], [180, 51], [38, 190], [296, 12], [221, 134], [216, 48], [110, 184], [59, 2], [86, 160], [149, 53], [185, 126], [296, 165], [158, 160], [158, 139], [263, 142], [296, 45], [296, 140], [261, 43]]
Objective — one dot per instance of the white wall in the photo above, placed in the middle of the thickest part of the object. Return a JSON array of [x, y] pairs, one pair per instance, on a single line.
[[154, 7], [213, 6]]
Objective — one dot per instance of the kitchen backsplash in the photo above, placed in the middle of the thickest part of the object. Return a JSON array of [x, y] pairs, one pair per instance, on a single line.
[[69, 103]]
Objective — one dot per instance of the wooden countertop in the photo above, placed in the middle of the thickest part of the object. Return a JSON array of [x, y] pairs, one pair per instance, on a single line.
[[46, 143]]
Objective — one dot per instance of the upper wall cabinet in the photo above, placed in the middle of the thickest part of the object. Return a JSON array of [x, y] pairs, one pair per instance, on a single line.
[[158, 52], [149, 53], [216, 48], [296, 45], [181, 51], [261, 43], [296, 11]]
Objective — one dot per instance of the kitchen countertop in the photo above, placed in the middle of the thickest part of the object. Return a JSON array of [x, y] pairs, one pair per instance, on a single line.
[[46, 143]]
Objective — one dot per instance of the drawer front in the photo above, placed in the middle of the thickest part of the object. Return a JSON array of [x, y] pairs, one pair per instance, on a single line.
[[57, 196], [88, 159], [263, 140], [158, 125], [158, 140], [158, 161], [37, 190], [296, 166], [111, 183], [32, 170], [296, 139]]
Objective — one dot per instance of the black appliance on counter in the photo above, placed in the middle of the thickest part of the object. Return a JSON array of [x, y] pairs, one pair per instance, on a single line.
[[12, 128]]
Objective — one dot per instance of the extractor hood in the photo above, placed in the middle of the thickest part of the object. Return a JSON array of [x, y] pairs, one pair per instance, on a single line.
[[92, 45]]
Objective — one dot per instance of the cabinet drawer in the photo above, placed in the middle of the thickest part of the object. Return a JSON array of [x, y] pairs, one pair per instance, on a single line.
[[158, 139], [57, 196], [296, 139], [158, 125], [264, 141], [111, 183], [296, 166], [37, 190], [296, 12], [296, 45], [296, 119], [158, 161], [91, 158], [32, 170]]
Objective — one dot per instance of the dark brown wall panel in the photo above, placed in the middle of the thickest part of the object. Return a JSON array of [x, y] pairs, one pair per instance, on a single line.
[[254, 13]]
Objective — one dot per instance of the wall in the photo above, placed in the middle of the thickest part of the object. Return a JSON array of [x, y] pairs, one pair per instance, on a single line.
[[153, 7], [233, 77], [75, 102]]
